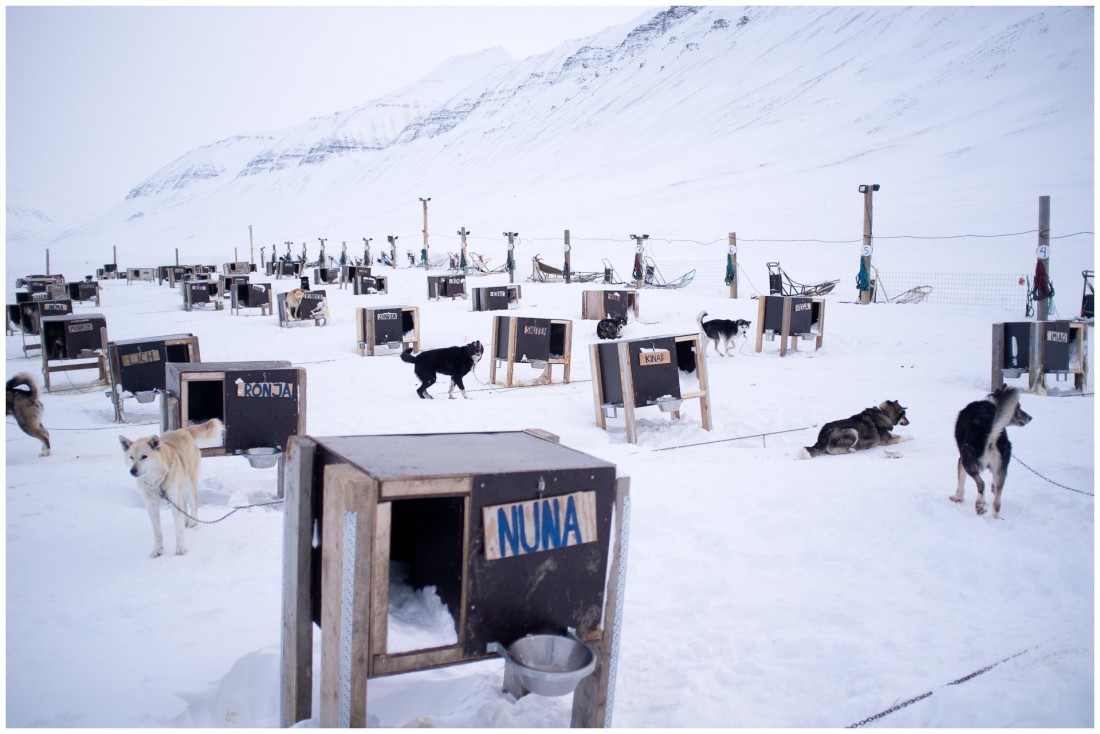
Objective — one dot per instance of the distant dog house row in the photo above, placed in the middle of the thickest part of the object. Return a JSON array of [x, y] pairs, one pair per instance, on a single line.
[[1040, 348]]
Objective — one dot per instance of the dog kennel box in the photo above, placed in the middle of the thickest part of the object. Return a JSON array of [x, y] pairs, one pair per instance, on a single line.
[[313, 307], [541, 343], [239, 267], [517, 533], [1040, 348], [261, 404], [441, 286], [348, 273], [326, 276], [394, 327], [42, 283], [71, 342], [226, 283], [606, 304], [289, 268], [790, 318], [496, 297], [108, 272], [251, 295], [366, 284], [660, 371], [83, 291], [137, 366], [148, 274], [33, 306], [201, 292]]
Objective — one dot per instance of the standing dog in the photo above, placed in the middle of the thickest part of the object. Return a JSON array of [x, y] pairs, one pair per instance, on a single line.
[[870, 427], [25, 406], [455, 362], [167, 466], [611, 327], [723, 330], [983, 443], [294, 300]]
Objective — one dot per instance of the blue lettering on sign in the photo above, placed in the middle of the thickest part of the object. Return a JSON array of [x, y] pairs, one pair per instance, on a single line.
[[547, 527], [268, 390]]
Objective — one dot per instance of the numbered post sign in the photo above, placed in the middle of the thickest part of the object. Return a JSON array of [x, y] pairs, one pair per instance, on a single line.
[[866, 251]]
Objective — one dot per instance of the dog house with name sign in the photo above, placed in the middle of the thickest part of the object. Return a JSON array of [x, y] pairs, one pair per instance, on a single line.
[[790, 318], [326, 276], [365, 284], [71, 342], [517, 534], [349, 272], [226, 283], [393, 328], [251, 295], [541, 343], [83, 291], [31, 313], [606, 304], [441, 286], [201, 293], [662, 371], [300, 306], [137, 366], [262, 404], [237, 268], [1040, 348], [496, 298], [148, 274]]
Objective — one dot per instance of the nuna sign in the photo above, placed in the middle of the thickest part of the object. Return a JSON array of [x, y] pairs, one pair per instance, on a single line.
[[536, 526]]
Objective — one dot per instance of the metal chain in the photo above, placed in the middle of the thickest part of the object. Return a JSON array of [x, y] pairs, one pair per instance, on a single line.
[[1048, 479], [737, 438], [212, 522], [889, 711]]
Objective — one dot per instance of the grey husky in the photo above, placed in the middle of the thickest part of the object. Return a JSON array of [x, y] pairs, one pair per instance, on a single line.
[[869, 427]]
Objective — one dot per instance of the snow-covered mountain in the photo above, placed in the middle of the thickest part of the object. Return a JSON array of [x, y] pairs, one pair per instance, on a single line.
[[690, 123]]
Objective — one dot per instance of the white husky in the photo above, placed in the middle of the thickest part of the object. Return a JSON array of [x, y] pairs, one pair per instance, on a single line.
[[167, 466]]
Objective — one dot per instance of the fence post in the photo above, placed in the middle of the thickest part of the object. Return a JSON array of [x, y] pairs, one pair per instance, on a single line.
[[465, 263], [1042, 253], [426, 257], [865, 253], [511, 264], [565, 270], [732, 264]]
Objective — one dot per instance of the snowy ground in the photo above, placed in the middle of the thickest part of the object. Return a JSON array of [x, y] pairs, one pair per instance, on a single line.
[[762, 591]]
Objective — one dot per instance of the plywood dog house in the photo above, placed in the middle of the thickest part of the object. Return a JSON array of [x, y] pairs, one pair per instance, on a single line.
[[84, 290], [442, 286], [393, 328], [790, 318], [251, 295], [262, 404], [201, 293], [71, 342], [1040, 348], [147, 274], [660, 371], [496, 297], [606, 304], [541, 343], [517, 533], [364, 284], [313, 306], [137, 366]]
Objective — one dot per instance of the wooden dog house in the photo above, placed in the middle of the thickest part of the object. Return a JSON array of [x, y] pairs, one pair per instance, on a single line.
[[660, 371], [262, 404], [71, 342], [239, 267], [30, 317], [147, 274], [790, 318], [364, 284], [251, 295], [201, 293], [394, 328], [606, 304], [496, 297], [541, 343], [463, 517], [313, 307], [82, 291], [348, 273], [227, 282], [326, 276], [137, 366], [1040, 348], [442, 286]]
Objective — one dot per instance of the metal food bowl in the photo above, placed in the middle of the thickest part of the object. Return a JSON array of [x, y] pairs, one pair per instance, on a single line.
[[262, 457], [669, 405], [549, 665], [538, 364], [393, 345], [146, 396]]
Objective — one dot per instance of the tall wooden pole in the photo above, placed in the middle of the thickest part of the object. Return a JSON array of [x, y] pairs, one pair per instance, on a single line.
[[639, 249], [251, 248], [366, 251], [115, 250], [47, 261], [865, 255], [465, 258], [393, 249], [733, 263], [177, 257], [566, 269], [426, 258], [510, 265], [323, 262], [1042, 253]]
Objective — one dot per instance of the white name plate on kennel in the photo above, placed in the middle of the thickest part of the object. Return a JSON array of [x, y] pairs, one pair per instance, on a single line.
[[265, 389], [535, 526], [655, 356]]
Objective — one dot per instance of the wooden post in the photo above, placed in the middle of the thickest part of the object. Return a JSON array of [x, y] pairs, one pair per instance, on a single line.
[[393, 249], [115, 250], [597, 390], [759, 325], [733, 263], [565, 270], [867, 190], [627, 381], [785, 329], [177, 257], [1037, 369], [251, 249], [323, 262], [511, 263], [296, 666], [639, 248], [1042, 307], [426, 258], [996, 374], [464, 259], [47, 261]]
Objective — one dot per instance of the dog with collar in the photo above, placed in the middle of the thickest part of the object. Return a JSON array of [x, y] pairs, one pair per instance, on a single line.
[[23, 405], [167, 467], [725, 331], [455, 362]]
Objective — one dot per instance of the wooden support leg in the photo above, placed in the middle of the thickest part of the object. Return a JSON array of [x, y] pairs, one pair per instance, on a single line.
[[296, 664]]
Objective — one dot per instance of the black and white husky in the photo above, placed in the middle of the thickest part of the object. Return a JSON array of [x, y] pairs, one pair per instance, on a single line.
[[983, 443], [455, 362], [611, 327], [723, 330]]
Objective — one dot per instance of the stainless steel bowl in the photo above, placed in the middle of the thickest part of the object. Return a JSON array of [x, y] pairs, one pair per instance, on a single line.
[[262, 457]]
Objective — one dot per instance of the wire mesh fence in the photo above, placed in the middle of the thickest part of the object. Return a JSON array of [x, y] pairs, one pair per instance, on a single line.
[[1005, 291]]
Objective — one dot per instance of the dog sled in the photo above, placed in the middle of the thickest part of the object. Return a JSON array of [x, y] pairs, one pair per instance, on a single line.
[[543, 273], [479, 266], [655, 279], [781, 284]]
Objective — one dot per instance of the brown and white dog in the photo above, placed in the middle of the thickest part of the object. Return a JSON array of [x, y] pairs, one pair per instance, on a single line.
[[167, 467], [26, 408]]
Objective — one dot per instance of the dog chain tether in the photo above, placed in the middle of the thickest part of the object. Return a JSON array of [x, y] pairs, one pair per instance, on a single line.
[[211, 522], [926, 694], [1048, 479]]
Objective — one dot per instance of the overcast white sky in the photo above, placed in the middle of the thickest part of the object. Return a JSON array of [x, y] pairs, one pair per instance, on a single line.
[[99, 98]]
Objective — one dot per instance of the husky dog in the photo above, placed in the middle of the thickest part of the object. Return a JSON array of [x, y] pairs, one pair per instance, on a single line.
[[611, 327], [167, 466], [455, 362], [870, 427], [723, 330], [294, 300], [26, 408], [983, 443]]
